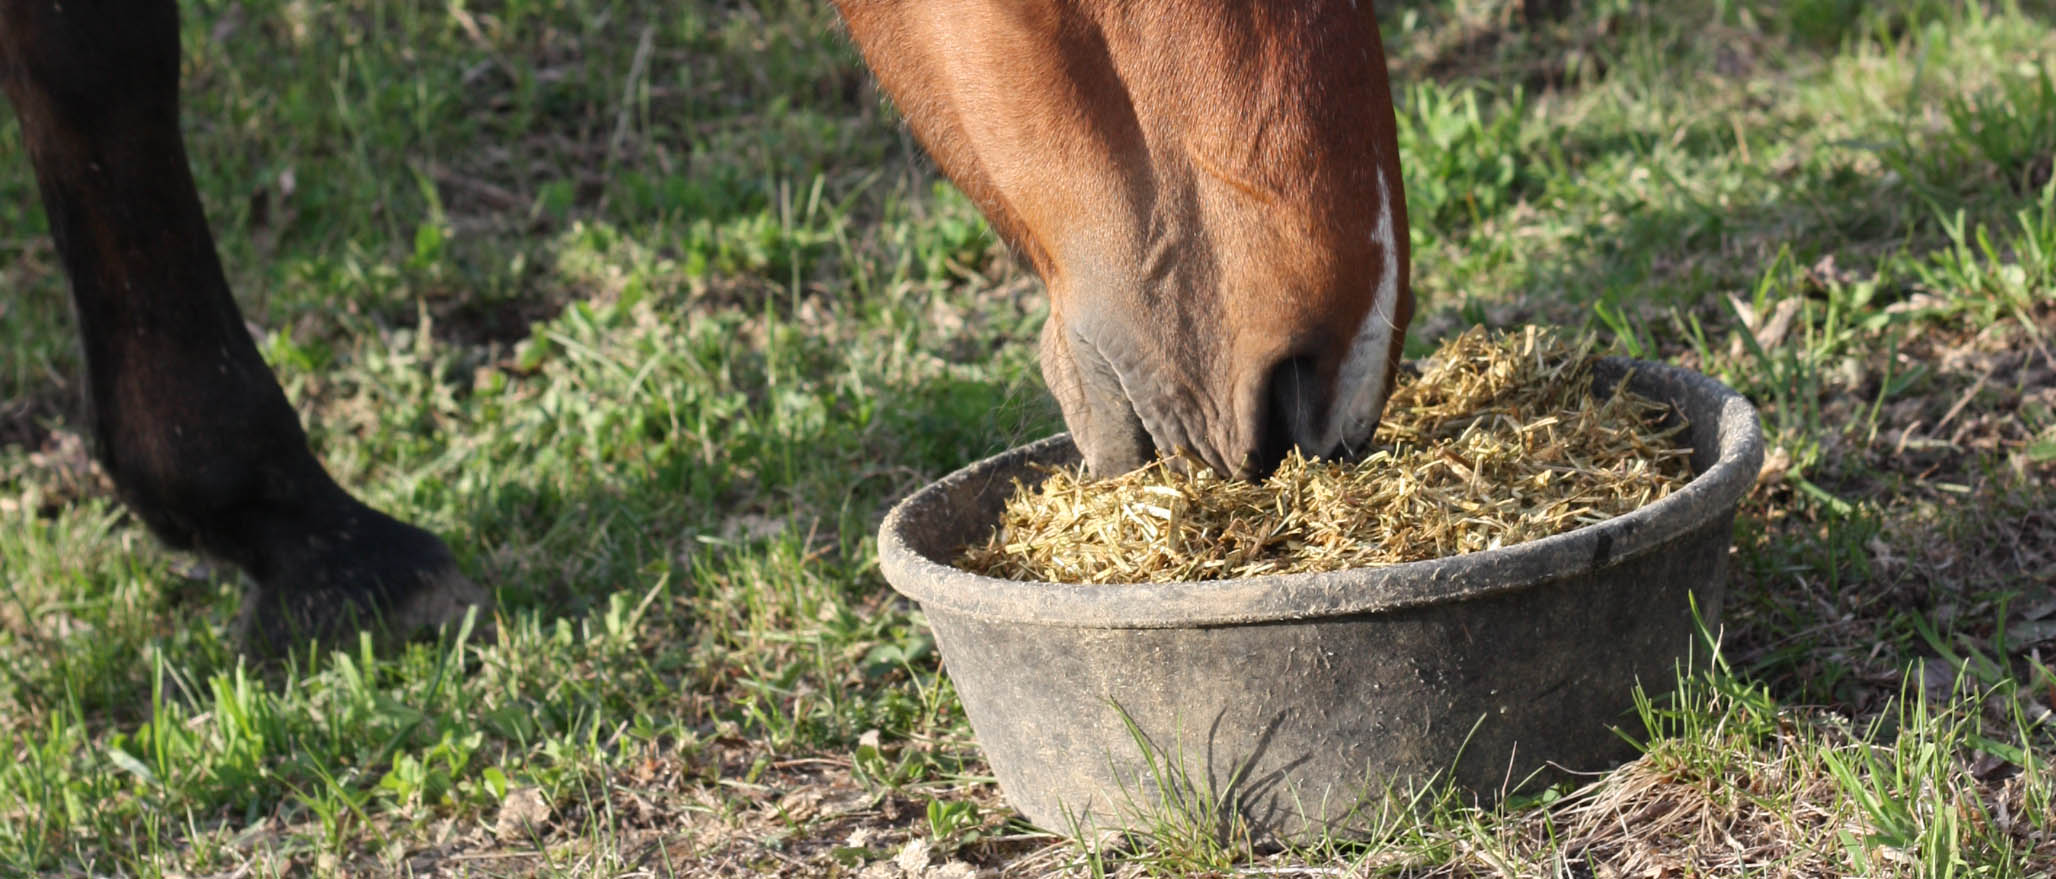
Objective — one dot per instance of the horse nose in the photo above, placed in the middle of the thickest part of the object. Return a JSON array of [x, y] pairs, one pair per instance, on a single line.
[[1295, 403]]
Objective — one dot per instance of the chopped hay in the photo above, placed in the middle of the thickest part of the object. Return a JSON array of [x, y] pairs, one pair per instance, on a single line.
[[1498, 441]]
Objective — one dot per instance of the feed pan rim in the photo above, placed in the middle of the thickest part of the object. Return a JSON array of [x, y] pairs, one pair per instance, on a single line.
[[1364, 590]]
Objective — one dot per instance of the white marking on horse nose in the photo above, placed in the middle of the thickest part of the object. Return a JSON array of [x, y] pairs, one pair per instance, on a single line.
[[1362, 379]]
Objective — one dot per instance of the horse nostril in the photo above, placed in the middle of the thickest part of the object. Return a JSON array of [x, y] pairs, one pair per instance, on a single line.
[[1293, 404]]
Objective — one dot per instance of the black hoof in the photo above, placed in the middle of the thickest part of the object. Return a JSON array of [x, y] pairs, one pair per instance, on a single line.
[[370, 574]]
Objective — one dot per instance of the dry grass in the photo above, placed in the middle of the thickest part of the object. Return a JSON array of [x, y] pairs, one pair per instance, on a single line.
[[1498, 441]]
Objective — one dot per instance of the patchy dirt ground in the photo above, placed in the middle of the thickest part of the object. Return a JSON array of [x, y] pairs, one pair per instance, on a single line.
[[1988, 396], [732, 811]]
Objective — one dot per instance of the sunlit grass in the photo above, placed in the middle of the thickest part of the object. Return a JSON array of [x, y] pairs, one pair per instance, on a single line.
[[654, 335]]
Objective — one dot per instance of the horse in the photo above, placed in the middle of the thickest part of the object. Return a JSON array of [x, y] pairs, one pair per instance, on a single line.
[[1209, 190]]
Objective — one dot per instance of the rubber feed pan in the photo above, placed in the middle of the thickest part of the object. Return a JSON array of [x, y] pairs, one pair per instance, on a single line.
[[1296, 702]]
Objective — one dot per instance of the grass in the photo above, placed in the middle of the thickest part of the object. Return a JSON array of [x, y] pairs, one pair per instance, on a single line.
[[651, 309]]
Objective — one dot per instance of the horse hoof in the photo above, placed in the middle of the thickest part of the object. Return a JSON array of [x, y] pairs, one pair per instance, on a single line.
[[272, 625], [399, 585], [439, 606]]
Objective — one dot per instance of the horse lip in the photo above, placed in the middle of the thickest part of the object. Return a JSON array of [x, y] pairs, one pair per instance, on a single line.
[[1347, 454]]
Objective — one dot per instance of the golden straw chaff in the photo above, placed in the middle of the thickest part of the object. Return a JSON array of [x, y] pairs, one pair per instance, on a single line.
[[1499, 440]]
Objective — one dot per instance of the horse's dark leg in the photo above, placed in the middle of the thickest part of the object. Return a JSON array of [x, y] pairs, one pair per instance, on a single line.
[[184, 413]]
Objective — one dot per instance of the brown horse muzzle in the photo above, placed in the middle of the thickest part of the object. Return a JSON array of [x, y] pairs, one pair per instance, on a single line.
[[1210, 190]]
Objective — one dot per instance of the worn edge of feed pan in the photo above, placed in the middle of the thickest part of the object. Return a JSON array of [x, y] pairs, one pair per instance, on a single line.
[[929, 578], [1297, 704]]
